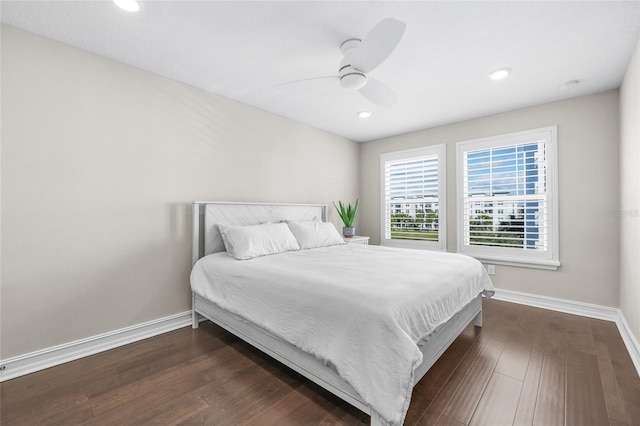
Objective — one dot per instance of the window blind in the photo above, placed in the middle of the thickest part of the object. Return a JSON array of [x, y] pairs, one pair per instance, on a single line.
[[411, 194], [505, 199]]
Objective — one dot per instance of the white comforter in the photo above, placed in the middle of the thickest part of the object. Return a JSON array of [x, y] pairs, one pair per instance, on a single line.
[[359, 308]]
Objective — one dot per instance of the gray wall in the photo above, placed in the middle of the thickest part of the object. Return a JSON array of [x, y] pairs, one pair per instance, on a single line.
[[630, 194], [100, 162], [588, 133]]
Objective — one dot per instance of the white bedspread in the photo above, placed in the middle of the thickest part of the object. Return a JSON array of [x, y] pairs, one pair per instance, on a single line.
[[361, 309]]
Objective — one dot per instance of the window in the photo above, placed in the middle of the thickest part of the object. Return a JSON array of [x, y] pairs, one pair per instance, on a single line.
[[507, 205], [413, 198]]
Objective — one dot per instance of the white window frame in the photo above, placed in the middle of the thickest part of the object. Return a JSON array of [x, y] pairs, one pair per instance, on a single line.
[[549, 259], [439, 151]]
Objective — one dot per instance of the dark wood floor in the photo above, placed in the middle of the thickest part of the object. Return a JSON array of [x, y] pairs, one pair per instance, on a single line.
[[525, 366]]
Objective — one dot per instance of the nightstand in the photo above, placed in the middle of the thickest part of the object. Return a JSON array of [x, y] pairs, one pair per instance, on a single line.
[[357, 239]]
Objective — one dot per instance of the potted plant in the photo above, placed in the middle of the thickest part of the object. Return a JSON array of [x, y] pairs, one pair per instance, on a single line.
[[348, 216]]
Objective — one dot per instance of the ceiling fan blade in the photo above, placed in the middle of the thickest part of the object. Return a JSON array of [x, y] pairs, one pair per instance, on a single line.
[[333, 77], [378, 44], [379, 93]]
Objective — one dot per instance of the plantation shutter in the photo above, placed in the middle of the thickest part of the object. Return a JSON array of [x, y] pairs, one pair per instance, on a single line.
[[411, 198], [506, 198]]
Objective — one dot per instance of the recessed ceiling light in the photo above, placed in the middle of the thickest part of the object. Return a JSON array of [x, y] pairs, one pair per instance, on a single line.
[[500, 74], [572, 84], [128, 5], [364, 114]]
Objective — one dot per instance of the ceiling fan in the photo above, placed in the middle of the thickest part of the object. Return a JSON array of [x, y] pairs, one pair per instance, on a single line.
[[361, 56]]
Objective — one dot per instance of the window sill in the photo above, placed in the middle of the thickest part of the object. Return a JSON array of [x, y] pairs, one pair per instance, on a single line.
[[412, 244], [549, 265]]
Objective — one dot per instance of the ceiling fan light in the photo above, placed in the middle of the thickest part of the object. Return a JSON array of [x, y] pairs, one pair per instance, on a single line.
[[500, 74], [128, 5], [353, 80]]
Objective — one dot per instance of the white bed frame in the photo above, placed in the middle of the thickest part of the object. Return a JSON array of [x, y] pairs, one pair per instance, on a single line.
[[206, 240]]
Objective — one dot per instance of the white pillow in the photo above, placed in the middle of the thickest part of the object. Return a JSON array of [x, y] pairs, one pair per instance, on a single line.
[[315, 234], [247, 242]]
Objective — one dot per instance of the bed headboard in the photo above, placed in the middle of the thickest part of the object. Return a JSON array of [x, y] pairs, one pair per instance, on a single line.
[[207, 214]]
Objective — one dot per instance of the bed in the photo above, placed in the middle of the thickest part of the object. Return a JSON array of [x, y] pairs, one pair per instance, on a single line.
[[318, 311]]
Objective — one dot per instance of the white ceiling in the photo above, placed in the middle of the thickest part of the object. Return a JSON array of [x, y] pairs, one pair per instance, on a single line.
[[241, 50]]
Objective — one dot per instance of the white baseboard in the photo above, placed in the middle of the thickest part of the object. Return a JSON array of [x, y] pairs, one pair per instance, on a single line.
[[559, 305], [578, 308], [35, 361], [630, 341]]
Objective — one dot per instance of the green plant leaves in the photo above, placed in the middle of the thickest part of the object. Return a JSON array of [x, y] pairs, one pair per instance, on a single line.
[[347, 214]]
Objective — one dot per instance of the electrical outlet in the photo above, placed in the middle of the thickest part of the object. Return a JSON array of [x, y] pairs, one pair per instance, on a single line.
[[491, 269]]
